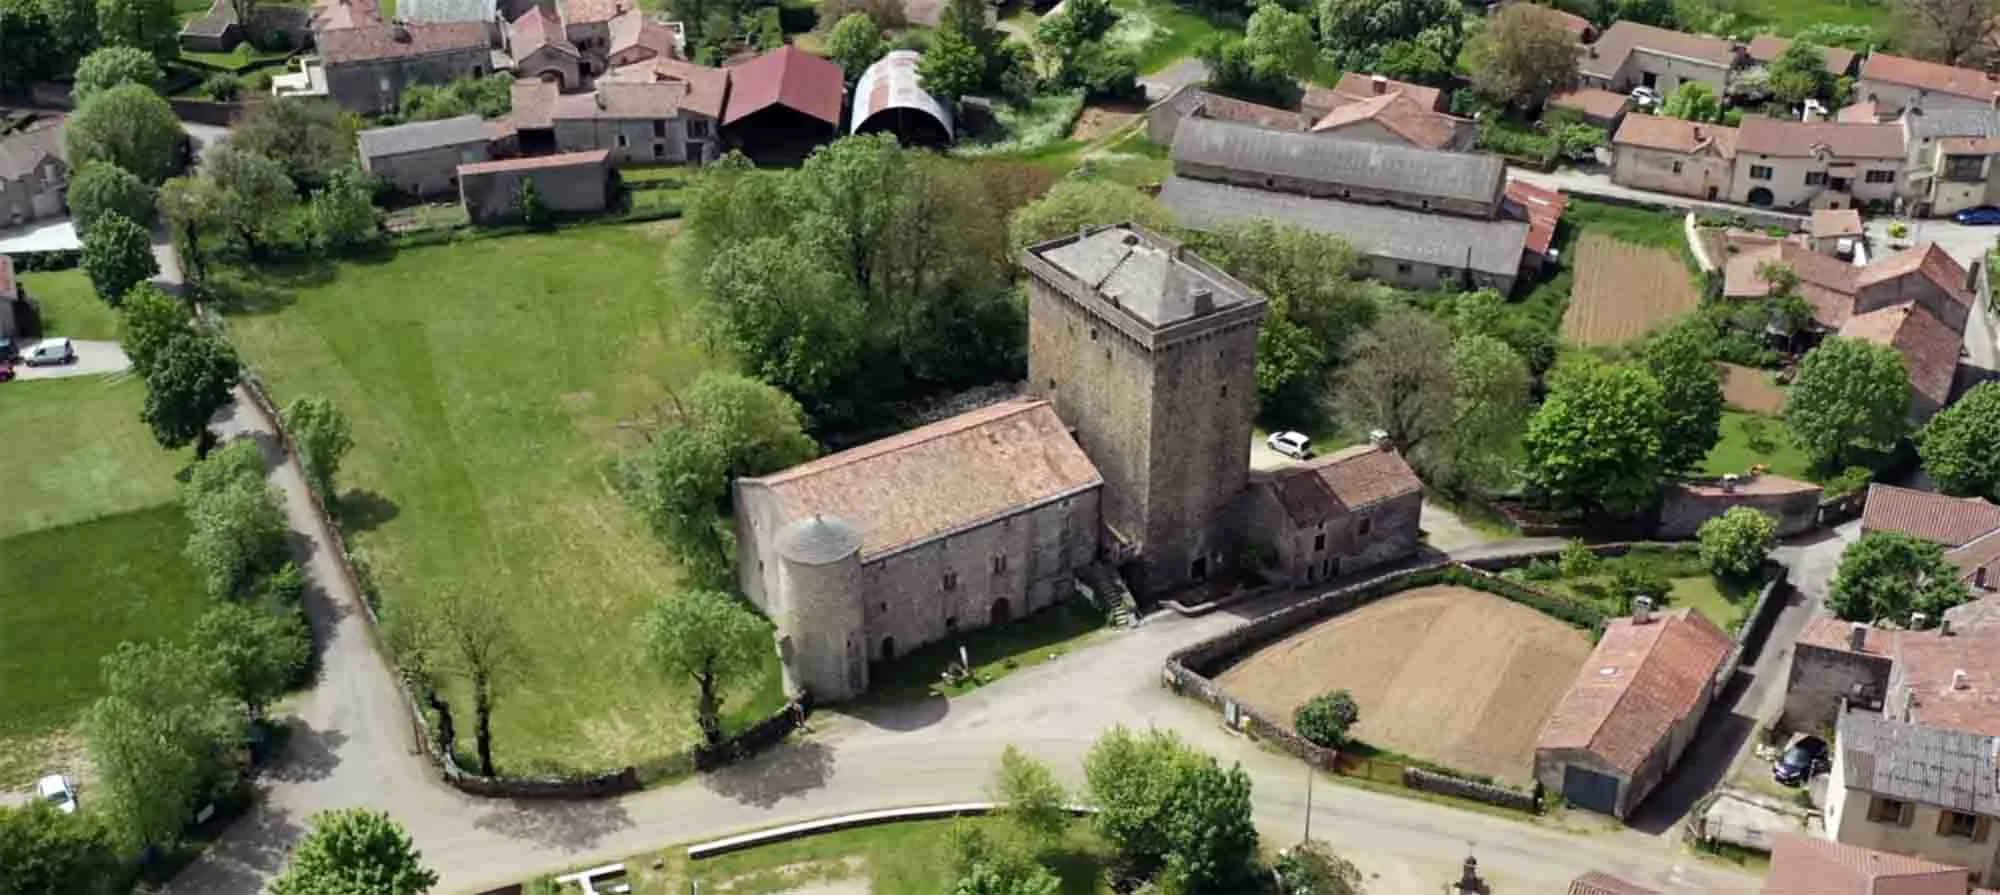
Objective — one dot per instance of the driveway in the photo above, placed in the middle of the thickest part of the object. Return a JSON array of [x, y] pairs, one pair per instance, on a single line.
[[92, 359], [47, 235], [1180, 74], [1592, 183]]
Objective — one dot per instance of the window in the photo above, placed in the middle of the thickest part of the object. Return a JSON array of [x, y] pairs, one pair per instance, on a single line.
[[951, 581], [1402, 268], [621, 141], [1760, 172], [1366, 524], [1879, 177], [1959, 168], [1000, 564], [1815, 178], [1888, 811], [1319, 543], [1677, 167], [1093, 333], [697, 128], [1958, 824]]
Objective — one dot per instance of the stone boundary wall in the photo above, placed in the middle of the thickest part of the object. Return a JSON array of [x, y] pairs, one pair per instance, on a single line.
[[1755, 628], [1491, 794], [1684, 506]]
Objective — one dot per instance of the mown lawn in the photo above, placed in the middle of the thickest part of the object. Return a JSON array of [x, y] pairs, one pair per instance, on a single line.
[[1792, 16], [76, 451], [1765, 441], [1161, 33], [487, 381], [70, 306], [1724, 602], [68, 596]]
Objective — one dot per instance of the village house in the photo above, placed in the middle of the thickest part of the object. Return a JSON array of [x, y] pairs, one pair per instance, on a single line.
[[1669, 155], [1805, 865], [218, 31], [1629, 55], [1597, 107], [34, 177], [1163, 118], [1834, 231], [647, 122], [1916, 789], [636, 38], [1397, 119], [1543, 209], [1793, 164], [783, 104], [422, 158], [1896, 83], [538, 49], [1765, 49], [1967, 527], [571, 183], [1633, 709], [1947, 158], [1580, 29], [1366, 108], [368, 67], [1355, 87], [890, 98], [1348, 511], [486, 12]]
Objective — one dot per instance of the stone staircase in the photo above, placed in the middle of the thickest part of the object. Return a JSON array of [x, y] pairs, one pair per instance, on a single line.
[[1108, 592]]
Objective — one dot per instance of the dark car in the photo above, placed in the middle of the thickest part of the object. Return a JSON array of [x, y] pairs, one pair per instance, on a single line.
[[1985, 216], [1799, 763], [7, 349]]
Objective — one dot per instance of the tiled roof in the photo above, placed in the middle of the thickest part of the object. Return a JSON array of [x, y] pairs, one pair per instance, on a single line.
[[928, 482], [1929, 348], [1798, 139], [1675, 135], [1862, 112], [1592, 102], [1400, 115], [335, 15], [1543, 207], [1766, 48], [1575, 24], [622, 100], [1356, 85], [1927, 260], [1827, 632], [1228, 108], [589, 12], [535, 29], [790, 77], [1951, 521], [9, 288], [1825, 282], [1809, 865], [1748, 388], [446, 10], [1341, 482], [534, 102], [1835, 222], [538, 163], [417, 136], [1639, 682], [371, 42], [1143, 274], [22, 153], [1930, 76], [631, 30], [1927, 667], [1608, 53], [1335, 160], [1595, 883], [1970, 145], [707, 87], [1919, 763], [1981, 553]]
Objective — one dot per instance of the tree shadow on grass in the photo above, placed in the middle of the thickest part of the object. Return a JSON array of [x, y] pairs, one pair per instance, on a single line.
[[571, 826], [787, 771], [365, 511]]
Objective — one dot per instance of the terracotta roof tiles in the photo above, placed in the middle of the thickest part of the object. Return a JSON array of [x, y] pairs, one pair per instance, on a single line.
[[1400, 115], [534, 101], [538, 163], [1930, 349], [1927, 260], [1931, 76], [1928, 664], [1608, 53], [1802, 865], [1766, 48], [1595, 883], [1828, 222], [23, 152], [1675, 135], [1341, 482], [1542, 207], [1827, 632], [1798, 139], [1951, 521], [1354, 86], [789, 77], [589, 12], [372, 42], [1603, 105], [1639, 682]]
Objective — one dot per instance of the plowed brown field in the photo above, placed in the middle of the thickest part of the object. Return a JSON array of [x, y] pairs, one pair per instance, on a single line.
[[1623, 291]]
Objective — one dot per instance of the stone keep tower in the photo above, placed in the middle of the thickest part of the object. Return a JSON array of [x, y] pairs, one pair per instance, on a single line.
[[1150, 354], [818, 608]]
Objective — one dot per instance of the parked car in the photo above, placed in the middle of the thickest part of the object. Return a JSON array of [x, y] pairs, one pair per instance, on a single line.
[[49, 352], [1983, 216], [8, 351], [1805, 758], [1291, 444], [1645, 97], [58, 790]]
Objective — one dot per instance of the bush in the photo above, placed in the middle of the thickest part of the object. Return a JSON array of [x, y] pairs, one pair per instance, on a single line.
[[1632, 582], [1578, 561], [1326, 718], [1542, 570], [1852, 480], [1898, 230], [222, 87], [1736, 542]]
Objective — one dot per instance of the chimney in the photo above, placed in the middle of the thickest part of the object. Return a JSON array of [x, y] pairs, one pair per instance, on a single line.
[[1378, 84], [1979, 577], [1642, 610], [1959, 681], [1944, 626], [1204, 300], [1729, 483], [1919, 621], [1857, 637], [1909, 704], [1380, 440], [401, 32]]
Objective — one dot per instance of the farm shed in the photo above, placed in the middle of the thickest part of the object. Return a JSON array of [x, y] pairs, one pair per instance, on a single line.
[[890, 98]]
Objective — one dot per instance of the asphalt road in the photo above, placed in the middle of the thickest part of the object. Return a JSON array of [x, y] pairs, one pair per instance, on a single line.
[[92, 359]]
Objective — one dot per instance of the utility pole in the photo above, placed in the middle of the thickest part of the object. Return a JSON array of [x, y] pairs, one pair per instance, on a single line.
[[1310, 774]]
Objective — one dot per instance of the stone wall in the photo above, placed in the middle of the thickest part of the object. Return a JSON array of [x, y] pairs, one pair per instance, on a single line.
[[1491, 794], [1822, 678], [1684, 506]]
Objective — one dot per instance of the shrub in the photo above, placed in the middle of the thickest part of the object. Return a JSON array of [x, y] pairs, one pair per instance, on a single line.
[[1542, 570], [1898, 230], [1326, 718], [1735, 543], [1578, 562], [1631, 583], [222, 87], [1852, 480]]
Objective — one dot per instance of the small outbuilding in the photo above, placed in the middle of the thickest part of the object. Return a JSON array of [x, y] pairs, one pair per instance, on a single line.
[[1339, 514], [783, 105], [422, 158], [890, 98], [571, 183]]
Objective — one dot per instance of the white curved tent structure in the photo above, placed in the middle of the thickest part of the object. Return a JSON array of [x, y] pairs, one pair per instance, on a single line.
[[890, 98]]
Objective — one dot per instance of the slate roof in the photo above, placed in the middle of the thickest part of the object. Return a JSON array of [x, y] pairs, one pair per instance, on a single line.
[[538, 163], [790, 77], [1674, 135], [1400, 115], [447, 10], [1608, 53], [1766, 48], [1143, 274], [22, 153], [1917, 763], [377, 142], [1334, 160], [1488, 246], [1592, 102], [1930, 76], [1809, 865], [1639, 682], [1595, 883], [937, 479], [1798, 139], [1951, 521], [1835, 222], [367, 43], [1930, 124], [1342, 482], [1929, 348]]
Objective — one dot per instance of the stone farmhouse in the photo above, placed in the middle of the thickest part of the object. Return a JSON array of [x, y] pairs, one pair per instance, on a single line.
[[1669, 155], [1359, 107], [1895, 83], [1766, 162], [570, 183], [1321, 518], [422, 158], [1629, 55], [1915, 301], [1633, 709], [1916, 789], [1127, 460], [367, 67], [34, 175]]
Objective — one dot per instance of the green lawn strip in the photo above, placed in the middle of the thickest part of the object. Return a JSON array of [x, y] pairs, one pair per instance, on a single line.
[[995, 651], [1638, 225], [1792, 16], [70, 306], [1037, 131], [68, 596], [1736, 453], [486, 381], [1161, 34], [1704, 594], [77, 451]]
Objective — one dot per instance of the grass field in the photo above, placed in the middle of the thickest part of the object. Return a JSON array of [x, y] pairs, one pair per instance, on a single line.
[[77, 451], [1446, 674], [1792, 16], [1624, 290], [486, 381], [1161, 33], [1724, 602], [1771, 445], [70, 306]]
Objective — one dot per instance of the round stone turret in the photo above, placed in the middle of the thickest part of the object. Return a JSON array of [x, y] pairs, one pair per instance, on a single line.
[[820, 619], [818, 540]]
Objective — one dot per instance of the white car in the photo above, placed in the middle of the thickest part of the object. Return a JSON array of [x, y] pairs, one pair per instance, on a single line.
[[1645, 97], [1291, 444], [50, 352], [58, 790]]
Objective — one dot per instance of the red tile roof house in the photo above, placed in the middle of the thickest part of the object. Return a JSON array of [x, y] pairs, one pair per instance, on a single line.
[[1802, 865], [1335, 515], [572, 183], [1895, 83], [1967, 527], [1826, 164], [783, 104], [1595, 883], [1633, 709]]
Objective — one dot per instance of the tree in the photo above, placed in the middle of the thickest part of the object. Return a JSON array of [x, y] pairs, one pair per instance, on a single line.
[[49, 852], [352, 851], [223, 87], [190, 379], [534, 212], [1954, 32], [1957, 445], [236, 527], [1312, 868], [1073, 43], [1359, 34], [129, 126], [27, 44], [112, 66], [323, 436], [261, 653], [161, 738], [1280, 42], [989, 863], [341, 216], [72, 28], [148, 25], [1326, 718], [479, 645], [1799, 74], [117, 254], [794, 323], [253, 194], [1596, 439], [1693, 101], [1490, 406], [1164, 806], [1736, 542], [101, 188], [888, 15], [1075, 203], [855, 42], [189, 205], [714, 639], [1209, 834], [1849, 395], [1317, 308], [148, 320], [1887, 576], [313, 139], [1690, 392], [1523, 57], [952, 67], [1031, 796], [1398, 379]]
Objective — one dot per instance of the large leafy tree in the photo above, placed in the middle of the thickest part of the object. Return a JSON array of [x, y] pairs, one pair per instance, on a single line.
[[1317, 309], [480, 646], [149, 25], [1209, 833], [254, 194], [1031, 797], [953, 67], [1523, 57], [149, 320], [161, 737], [1849, 395], [1693, 101], [112, 66], [101, 188], [353, 851], [1690, 391], [1490, 406], [312, 139], [1399, 380], [236, 528], [1736, 542], [855, 42], [988, 862], [190, 378], [341, 216], [48, 852], [1961, 444], [1265, 64], [191, 206], [129, 126], [1076, 53], [72, 28], [1954, 32], [712, 638], [1596, 439], [1889, 575], [27, 43], [323, 435], [261, 652], [1799, 74], [1360, 33], [117, 255], [1132, 779], [795, 323], [1075, 203]]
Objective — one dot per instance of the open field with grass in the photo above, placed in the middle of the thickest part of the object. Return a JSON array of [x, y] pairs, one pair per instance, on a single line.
[[1624, 290], [1749, 439], [1445, 674], [487, 381], [1723, 601], [1792, 16], [70, 306], [1160, 33], [77, 452]]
